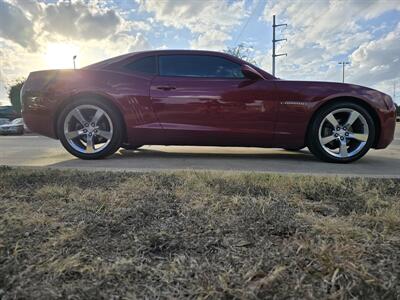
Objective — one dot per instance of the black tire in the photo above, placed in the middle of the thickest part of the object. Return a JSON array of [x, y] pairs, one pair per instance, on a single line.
[[314, 144], [116, 119]]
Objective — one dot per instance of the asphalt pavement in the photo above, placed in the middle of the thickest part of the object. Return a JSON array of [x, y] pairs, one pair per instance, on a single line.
[[37, 151]]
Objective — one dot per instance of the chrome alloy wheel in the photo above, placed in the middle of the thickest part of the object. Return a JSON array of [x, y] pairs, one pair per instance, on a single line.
[[343, 133], [88, 129]]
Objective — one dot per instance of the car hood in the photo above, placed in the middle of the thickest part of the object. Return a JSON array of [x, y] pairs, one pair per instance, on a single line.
[[338, 86], [337, 89]]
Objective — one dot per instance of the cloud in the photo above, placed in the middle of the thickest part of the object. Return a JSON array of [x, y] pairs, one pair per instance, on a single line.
[[331, 25], [96, 30], [15, 26], [320, 33], [32, 8], [25, 22], [137, 25], [211, 39], [90, 24], [195, 15], [377, 60], [328, 31], [80, 21], [124, 43], [210, 21]]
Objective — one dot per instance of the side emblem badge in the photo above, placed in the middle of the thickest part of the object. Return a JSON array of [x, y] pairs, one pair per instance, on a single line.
[[293, 103]]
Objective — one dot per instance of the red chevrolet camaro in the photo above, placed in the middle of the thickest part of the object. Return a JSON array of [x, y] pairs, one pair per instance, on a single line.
[[202, 98]]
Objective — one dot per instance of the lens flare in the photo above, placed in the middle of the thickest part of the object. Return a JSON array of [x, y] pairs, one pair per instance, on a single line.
[[60, 55]]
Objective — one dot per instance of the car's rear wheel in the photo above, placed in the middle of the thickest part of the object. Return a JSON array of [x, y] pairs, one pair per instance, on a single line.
[[90, 129], [341, 132]]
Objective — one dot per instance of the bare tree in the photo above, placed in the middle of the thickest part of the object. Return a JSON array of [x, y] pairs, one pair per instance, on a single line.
[[242, 51]]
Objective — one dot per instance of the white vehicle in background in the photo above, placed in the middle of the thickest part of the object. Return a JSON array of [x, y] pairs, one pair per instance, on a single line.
[[4, 121], [16, 126]]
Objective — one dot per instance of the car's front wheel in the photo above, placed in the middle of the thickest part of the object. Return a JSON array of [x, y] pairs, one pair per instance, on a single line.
[[90, 129], [341, 132]]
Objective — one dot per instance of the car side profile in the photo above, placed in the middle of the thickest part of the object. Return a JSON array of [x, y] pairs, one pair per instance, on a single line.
[[202, 98]]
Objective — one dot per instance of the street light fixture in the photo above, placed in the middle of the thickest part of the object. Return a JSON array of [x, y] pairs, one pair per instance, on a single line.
[[343, 63]]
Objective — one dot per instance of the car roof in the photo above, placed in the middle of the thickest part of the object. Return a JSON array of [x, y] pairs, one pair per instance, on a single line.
[[178, 51], [105, 63]]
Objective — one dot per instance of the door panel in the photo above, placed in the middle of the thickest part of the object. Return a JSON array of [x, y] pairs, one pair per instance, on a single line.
[[210, 111]]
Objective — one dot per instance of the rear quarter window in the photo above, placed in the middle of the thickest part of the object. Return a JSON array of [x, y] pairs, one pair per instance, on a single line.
[[145, 65]]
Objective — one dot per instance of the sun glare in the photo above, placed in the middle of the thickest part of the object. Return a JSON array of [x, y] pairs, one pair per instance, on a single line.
[[60, 55]]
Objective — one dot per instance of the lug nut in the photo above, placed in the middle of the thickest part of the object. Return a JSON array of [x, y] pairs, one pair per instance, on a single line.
[[93, 124], [344, 128], [87, 125], [84, 130], [337, 128], [346, 134], [341, 138], [336, 135]]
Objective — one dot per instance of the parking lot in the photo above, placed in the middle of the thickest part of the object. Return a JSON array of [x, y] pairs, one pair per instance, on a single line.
[[33, 150]]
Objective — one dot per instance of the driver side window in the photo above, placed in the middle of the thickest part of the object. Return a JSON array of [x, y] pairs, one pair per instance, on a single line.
[[203, 66]]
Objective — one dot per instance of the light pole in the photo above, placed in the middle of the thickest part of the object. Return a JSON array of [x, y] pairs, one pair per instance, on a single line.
[[343, 63], [73, 59]]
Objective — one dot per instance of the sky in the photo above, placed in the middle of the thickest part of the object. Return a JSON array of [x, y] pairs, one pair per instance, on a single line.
[[37, 35]]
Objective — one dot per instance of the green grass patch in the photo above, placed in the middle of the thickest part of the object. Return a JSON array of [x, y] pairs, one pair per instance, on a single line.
[[203, 235]]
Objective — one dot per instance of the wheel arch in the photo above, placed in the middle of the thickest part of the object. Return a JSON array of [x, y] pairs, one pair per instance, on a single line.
[[364, 104], [93, 95]]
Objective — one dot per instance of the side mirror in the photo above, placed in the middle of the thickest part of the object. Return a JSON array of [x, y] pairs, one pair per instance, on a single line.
[[251, 73]]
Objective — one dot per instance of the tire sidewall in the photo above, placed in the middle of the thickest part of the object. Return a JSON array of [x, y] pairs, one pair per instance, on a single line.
[[313, 138], [116, 120]]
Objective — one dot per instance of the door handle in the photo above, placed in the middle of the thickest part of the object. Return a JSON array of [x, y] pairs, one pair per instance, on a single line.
[[166, 88]]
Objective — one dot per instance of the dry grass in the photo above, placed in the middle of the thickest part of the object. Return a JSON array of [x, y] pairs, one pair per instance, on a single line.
[[77, 235]]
